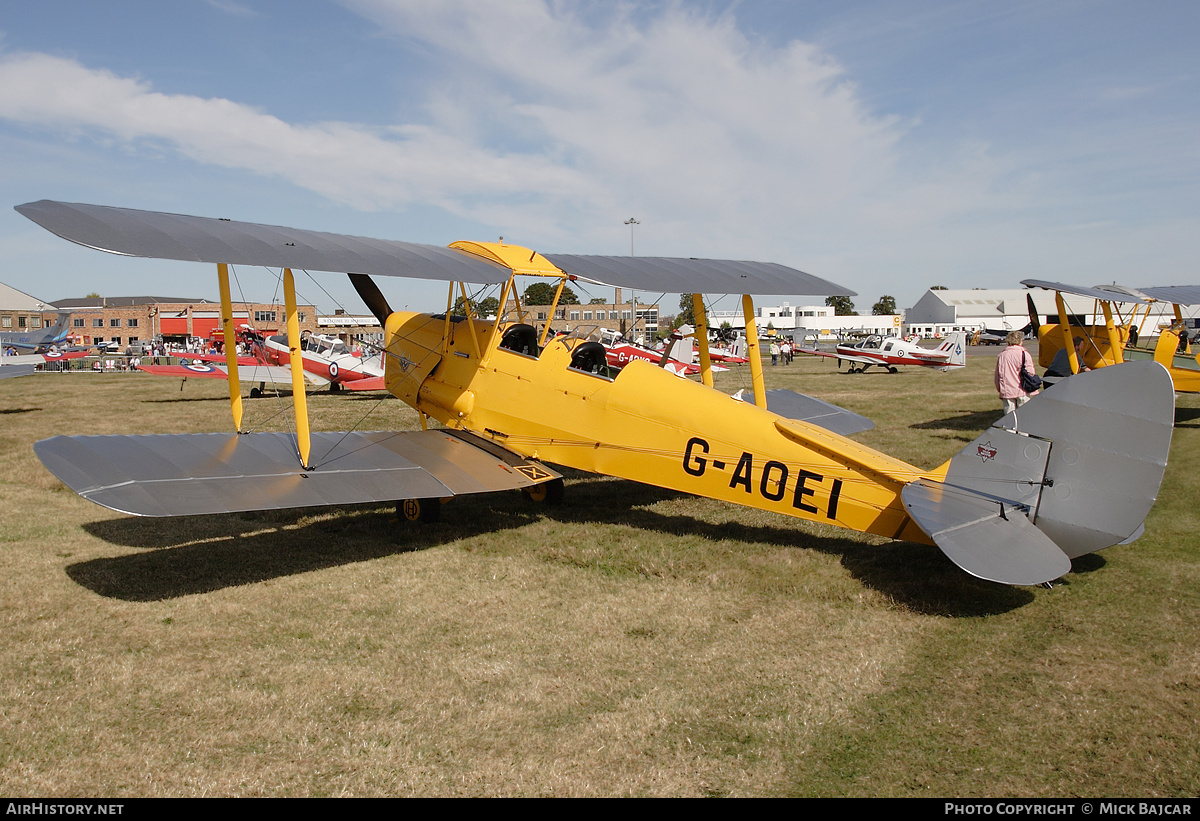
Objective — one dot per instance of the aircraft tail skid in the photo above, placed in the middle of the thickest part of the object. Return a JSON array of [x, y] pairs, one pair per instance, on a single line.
[[1075, 470]]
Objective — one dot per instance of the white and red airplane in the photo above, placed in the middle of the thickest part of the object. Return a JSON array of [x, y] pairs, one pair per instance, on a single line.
[[327, 361], [890, 352], [31, 361], [329, 358], [675, 357]]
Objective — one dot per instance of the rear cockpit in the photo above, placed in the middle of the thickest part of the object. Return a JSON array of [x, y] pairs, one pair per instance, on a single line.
[[584, 353]]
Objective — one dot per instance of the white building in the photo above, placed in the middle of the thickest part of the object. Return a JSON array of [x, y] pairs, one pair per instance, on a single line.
[[808, 320], [939, 312]]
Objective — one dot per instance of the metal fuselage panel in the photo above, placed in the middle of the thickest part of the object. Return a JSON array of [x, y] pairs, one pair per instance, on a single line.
[[646, 425]]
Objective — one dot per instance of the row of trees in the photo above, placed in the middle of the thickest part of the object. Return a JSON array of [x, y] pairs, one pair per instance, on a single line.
[[842, 306], [542, 293]]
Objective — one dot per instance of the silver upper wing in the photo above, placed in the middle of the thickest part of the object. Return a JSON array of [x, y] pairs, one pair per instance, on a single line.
[[697, 276], [204, 239], [1105, 293], [1175, 294]]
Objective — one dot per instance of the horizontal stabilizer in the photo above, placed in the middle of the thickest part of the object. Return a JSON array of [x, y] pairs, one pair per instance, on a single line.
[[1074, 470], [1110, 434], [988, 539], [189, 474], [792, 405]]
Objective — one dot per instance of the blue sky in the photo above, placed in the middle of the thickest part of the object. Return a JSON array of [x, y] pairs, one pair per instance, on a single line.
[[888, 146]]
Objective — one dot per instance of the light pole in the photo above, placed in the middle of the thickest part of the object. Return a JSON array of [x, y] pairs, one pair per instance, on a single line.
[[633, 299]]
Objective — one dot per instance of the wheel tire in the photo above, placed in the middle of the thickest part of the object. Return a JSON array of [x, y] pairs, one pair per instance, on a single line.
[[425, 511], [255, 393], [550, 493]]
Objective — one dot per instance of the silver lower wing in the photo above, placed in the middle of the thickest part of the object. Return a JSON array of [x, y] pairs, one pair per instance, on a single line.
[[201, 473], [792, 405]]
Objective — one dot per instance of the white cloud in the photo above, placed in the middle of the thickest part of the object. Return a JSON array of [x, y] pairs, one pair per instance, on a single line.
[[541, 122], [347, 163], [233, 8]]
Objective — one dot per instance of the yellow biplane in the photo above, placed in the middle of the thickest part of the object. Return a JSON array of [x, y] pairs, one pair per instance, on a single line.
[[1015, 506], [1107, 339]]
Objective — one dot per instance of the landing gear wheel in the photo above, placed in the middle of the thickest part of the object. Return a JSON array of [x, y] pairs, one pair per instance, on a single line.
[[425, 511], [255, 393], [550, 493], [334, 387]]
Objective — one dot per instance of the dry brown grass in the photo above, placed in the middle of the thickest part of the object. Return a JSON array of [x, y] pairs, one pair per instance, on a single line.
[[631, 642]]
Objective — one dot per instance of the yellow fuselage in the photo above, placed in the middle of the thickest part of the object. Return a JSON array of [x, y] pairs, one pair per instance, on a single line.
[[646, 425]]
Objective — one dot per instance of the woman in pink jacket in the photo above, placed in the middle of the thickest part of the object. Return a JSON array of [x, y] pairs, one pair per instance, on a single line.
[[1009, 364]]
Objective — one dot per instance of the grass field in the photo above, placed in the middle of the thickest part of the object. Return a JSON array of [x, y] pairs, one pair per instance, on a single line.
[[633, 641]]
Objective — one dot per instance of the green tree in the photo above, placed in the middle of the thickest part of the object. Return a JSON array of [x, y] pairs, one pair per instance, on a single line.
[[481, 307], [542, 293], [598, 300], [939, 288], [842, 306], [885, 306], [686, 315]]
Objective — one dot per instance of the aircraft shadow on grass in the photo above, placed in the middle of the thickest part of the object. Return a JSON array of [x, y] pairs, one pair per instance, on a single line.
[[1187, 417], [972, 422], [237, 549]]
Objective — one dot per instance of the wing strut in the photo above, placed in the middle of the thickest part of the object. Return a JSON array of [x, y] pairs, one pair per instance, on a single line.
[[296, 355], [1114, 339], [235, 386], [1067, 334], [701, 319], [756, 371]]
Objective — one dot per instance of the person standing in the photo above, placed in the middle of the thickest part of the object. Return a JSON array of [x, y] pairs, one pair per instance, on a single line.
[[1010, 363]]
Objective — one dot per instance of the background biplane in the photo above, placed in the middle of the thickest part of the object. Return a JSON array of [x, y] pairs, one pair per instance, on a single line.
[[1106, 338], [1013, 506], [328, 357], [327, 362]]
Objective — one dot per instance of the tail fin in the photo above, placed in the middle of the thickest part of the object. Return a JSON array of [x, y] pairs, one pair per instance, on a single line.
[[1075, 470], [682, 348], [956, 346]]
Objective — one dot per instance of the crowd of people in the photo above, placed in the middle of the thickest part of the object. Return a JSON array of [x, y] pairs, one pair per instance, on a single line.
[[782, 351]]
